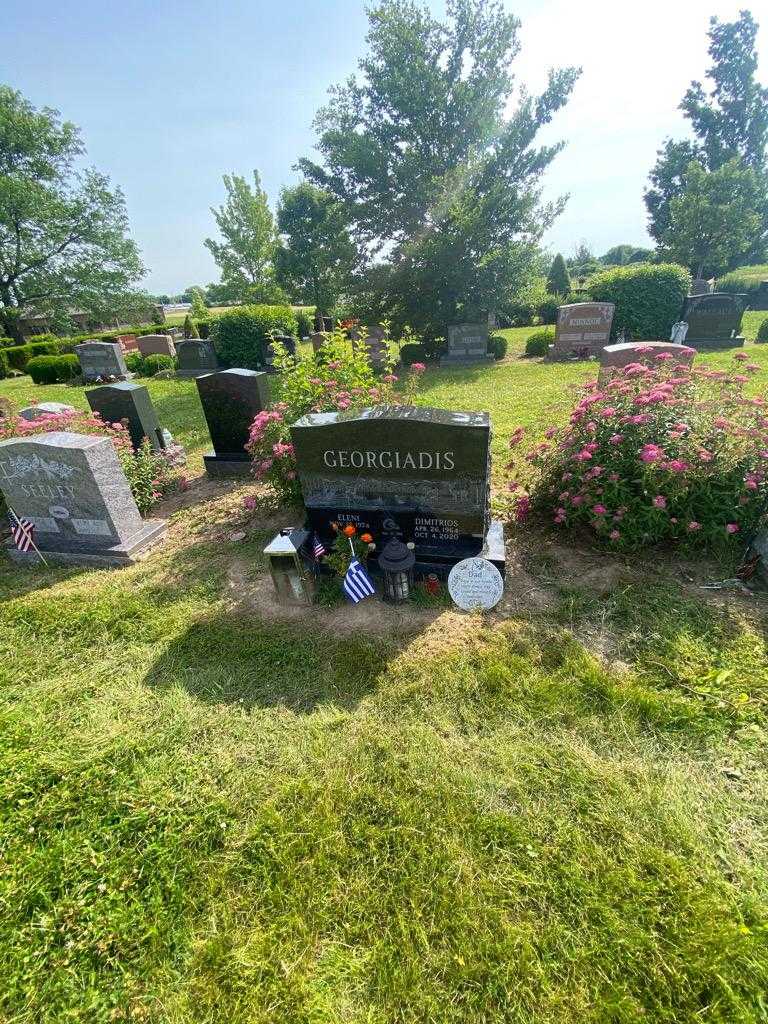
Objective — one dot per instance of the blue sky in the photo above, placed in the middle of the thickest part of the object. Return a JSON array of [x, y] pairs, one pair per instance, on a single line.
[[172, 95]]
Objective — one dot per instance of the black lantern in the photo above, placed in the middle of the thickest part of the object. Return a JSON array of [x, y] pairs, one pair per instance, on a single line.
[[396, 562], [294, 585]]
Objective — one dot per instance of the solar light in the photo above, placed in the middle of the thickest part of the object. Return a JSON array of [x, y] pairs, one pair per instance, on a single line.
[[293, 583], [396, 562]]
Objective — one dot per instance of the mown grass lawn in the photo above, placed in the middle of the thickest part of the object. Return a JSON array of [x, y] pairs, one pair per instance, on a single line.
[[210, 814]]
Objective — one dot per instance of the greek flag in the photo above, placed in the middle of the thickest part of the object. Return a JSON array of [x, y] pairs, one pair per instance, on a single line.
[[357, 583]]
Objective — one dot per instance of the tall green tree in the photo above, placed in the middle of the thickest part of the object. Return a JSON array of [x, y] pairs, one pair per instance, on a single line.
[[440, 184], [714, 218], [624, 254], [246, 253], [316, 255], [558, 281], [729, 123], [63, 231]]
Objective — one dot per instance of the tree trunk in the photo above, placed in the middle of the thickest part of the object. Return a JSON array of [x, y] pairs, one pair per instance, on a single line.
[[9, 319]]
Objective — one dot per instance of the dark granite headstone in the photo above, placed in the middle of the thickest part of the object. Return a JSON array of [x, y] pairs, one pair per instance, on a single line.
[[130, 402], [409, 472], [100, 360], [73, 489], [230, 400], [196, 356], [714, 321], [466, 344], [290, 346], [759, 299]]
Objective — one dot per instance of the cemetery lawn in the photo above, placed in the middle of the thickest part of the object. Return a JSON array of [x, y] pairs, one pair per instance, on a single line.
[[214, 814]]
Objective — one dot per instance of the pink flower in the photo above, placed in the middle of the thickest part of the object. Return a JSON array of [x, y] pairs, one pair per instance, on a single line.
[[676, 465], [335, 365], [584, 455], [752, 366], [599, 510], [659, 501], [607, 412], [732, 528], [522, 507], [577, 500], [343, 403], [615, 439], [693, 526], [661, 356], [614, 535], [651, 453], [740, 357], [418, 367], [389, 378], [705, 456], [291, 474], [249, 502]]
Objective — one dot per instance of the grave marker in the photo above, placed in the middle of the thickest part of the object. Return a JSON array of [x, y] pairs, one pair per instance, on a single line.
[[73, 490], [156, 345], [231, 399], [615, 357], [582, 330], [101, 360], [466, 345], [408, 472], [714, 321], [130, 402], [196, 356], [36, 412]]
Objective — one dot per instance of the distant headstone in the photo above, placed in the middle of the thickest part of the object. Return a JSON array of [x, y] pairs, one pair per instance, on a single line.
[[714, 321], [759, 299], [290, 346], [615, 357], [131, 403], [128, 342], [318, 339], [42, 409], [582, 330], [678, 332], [73, 490], [196, 356], [377, 350], [417, 474], [156, 345], [323, 323], [475, 584], [231, 399], [100, 360], [700, 286], [466, 344]]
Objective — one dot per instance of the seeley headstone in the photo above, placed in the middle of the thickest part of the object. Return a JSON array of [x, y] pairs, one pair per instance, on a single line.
[[73, 490]]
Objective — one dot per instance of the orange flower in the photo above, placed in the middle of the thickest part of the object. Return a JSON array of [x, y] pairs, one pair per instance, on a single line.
[[335, 526], [350, 530], [366, 538]]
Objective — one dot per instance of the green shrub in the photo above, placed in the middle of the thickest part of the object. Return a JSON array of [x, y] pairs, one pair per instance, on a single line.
[[412, 353], [744, 280], [19, 355], [537, 344], [203, 328], [134, 362], [304, 323], [547, 310], [5, 368], [190, 327], [497, 346], [154, 364], [558, 279], [7, 342], [762, 331], [648, 297], [43, 339], [52, 369], [44, 369], [241, 335]]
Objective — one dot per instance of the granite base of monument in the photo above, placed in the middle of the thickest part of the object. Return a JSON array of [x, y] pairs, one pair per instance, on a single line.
[[151, 531], [227, 465]]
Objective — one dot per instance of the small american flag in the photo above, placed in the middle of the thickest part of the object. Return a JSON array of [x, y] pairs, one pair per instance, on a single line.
[[317, 547], [357, 583], [23, 533]]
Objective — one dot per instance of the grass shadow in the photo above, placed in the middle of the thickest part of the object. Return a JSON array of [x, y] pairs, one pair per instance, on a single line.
[[234, 659]]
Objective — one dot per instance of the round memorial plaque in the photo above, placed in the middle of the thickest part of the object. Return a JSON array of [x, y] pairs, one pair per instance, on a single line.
[[475, 584]]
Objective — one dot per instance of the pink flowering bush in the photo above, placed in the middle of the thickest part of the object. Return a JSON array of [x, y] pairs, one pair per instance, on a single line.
[[657, 452], [339, 379], [150, 474]]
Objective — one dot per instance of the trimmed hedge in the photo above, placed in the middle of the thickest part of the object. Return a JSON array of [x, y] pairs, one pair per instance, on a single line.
[[5, 368], [762, 331], [53, 369], [19, 355], [648, 297], [241, 335], [412, 353], [537, 344], [7, 342], [497, 346], [155, 363]]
